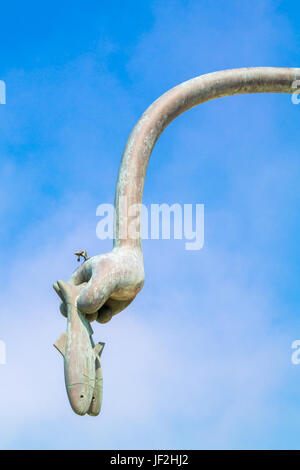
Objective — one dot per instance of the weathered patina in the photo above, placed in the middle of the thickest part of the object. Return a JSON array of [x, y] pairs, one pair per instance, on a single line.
[[109, 282], [83, 375]]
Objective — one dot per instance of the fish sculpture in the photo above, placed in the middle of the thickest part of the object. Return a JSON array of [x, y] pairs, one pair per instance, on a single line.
[[96, 403], [116, 277], [82, 368]]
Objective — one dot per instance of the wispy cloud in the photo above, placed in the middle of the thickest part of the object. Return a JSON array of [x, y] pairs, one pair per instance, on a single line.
[[201, 359]]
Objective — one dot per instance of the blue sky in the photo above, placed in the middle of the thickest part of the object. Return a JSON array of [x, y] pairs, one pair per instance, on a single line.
[[202, 358]]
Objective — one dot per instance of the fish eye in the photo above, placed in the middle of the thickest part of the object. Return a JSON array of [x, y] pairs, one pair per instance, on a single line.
[[81, 396]]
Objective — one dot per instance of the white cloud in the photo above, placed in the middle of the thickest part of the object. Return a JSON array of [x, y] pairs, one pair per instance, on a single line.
[[198, 359]]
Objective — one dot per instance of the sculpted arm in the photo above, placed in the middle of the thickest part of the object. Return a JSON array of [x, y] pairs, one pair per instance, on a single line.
[[114, 279]]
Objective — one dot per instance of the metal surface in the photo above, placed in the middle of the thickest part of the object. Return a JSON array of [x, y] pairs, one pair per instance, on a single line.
[[112, 280], [80, 355]]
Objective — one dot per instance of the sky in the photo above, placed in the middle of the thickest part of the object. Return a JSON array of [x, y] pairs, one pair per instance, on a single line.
[[202, 358]]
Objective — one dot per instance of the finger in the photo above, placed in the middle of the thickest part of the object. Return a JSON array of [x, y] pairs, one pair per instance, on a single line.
[[97, 291], [111, 308], [79, 276], [82, 274], [62, 306], [104, 314], [91, 316]]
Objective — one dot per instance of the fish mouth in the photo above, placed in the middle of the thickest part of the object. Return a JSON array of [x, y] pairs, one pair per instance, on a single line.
[[80, 412]]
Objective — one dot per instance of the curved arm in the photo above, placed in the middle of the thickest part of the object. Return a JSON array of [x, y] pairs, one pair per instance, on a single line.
[[132, 173]]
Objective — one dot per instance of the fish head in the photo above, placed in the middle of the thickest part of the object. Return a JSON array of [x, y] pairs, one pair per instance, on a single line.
[[96, 402], [80, 397]]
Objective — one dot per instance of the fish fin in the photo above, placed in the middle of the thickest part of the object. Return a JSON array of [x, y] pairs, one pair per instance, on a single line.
[[60, 344], [66, 291], [57, 290], [98, 349]]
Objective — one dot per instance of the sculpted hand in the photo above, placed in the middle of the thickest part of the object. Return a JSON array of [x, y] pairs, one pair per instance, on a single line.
[[109, 282]]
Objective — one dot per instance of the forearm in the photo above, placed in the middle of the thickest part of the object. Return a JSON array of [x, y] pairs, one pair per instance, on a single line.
[[131, 179]]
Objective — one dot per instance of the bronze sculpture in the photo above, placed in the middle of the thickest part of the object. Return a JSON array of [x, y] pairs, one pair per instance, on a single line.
[[106, 284], [81, 356]]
